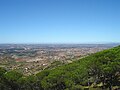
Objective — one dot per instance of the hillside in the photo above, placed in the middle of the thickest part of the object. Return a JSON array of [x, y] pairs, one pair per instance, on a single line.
[[95, 72]]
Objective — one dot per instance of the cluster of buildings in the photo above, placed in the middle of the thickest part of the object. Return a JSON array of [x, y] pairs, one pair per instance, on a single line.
[[35, 57]]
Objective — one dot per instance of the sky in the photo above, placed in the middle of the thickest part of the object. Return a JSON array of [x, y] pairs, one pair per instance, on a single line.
[[59, 21]]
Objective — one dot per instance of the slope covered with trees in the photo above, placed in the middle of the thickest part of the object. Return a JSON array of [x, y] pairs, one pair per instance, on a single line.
[[99, 71]]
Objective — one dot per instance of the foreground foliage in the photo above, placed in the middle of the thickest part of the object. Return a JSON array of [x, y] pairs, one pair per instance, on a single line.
[[97, 71]]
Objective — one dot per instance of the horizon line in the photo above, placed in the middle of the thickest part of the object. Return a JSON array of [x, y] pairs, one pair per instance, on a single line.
[[69, 43]]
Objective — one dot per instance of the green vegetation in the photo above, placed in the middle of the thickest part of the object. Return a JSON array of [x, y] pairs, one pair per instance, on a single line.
[[55, 64], [100, 71]]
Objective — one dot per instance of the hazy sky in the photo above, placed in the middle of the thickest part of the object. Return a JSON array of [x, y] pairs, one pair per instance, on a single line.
[[59, 21]]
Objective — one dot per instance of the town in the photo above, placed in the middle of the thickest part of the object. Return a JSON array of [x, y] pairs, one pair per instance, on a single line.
[[30, 59]]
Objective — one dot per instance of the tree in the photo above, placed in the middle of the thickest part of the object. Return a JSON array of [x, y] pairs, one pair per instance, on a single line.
[[11, 78], [2, 83]]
